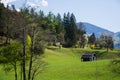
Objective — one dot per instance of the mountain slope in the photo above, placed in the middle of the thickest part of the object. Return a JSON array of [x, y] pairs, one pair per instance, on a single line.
[[90, 28], [117, 40]]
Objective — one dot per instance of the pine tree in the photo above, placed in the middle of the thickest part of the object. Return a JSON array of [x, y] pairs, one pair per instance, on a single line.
[[92, 39], [66, 22], [59, 27], [71, 30]]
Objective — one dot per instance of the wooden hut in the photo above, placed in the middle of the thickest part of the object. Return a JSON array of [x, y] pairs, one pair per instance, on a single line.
[[88, 57]]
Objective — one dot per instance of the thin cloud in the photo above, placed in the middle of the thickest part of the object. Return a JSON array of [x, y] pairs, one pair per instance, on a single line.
[[44, 3], [31, 4], [37, 3], [6, 2]]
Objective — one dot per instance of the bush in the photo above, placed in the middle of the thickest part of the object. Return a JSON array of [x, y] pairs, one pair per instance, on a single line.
[[92, 46], [76, 46], [39, 47]]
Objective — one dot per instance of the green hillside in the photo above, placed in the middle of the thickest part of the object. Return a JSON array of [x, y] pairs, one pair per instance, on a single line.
[[65, 64]]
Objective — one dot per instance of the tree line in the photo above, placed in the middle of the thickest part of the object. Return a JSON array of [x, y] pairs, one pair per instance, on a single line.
[[53, 27]]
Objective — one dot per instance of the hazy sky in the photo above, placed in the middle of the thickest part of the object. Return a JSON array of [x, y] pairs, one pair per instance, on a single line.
[[103, 13]]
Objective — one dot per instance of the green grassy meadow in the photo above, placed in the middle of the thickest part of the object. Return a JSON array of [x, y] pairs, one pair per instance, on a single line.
[[65, 64]]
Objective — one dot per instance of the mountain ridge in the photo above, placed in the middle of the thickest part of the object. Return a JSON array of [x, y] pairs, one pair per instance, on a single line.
[[91, 28]]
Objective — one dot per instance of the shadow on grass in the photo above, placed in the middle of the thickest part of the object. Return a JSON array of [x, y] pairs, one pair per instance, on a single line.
[[53, 48]]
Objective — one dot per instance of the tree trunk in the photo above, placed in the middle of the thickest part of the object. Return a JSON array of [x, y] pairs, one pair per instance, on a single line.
[[33, 76], [21, 72], [15, 69], [30, 67], [24, 55], [7, 35], [32, 52]]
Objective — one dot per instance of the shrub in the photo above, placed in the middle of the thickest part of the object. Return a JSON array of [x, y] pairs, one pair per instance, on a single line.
[[92, 46], [39, 47]]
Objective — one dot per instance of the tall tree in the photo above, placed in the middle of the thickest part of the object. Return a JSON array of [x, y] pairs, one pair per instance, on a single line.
[[60, 29], [25, 16], [66, 22], [2, 19], [51, 21], [36, 45], [33, 27], [71, 30], [7, 23]]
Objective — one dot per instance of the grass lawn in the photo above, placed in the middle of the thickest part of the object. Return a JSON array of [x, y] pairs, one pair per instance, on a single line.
[[6, 75], [65, 64]]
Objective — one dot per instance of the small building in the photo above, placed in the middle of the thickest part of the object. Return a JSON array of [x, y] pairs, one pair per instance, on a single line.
[[88, 57]]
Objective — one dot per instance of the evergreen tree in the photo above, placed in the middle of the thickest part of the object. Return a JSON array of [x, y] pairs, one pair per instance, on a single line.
[[71, 30], [60, 29], [92, 39], [66, 22]]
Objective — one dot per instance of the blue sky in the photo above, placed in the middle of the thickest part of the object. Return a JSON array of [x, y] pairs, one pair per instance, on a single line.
[[103, 13]]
